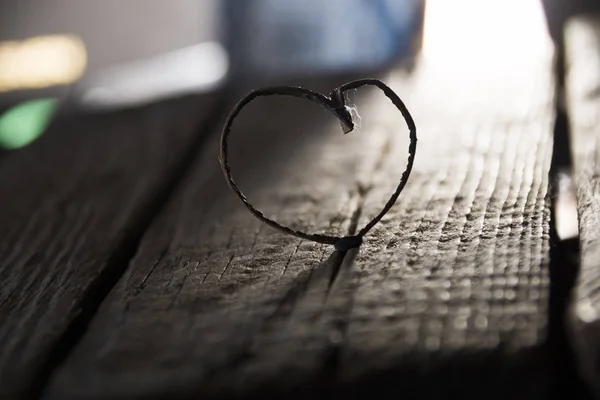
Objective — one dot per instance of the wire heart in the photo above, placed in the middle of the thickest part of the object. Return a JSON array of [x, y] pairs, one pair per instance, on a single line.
[[335, 103]]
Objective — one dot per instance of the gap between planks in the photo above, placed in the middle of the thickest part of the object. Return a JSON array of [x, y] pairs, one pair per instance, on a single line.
[[118, 261]]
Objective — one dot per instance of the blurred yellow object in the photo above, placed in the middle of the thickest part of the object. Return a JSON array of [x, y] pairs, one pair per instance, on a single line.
[[41, 61]]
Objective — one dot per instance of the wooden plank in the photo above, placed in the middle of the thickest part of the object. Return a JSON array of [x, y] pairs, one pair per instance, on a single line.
[[582, 49], [451, 287], [74, 204]]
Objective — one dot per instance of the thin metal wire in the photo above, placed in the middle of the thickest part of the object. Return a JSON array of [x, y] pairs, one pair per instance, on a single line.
[[335, 103]]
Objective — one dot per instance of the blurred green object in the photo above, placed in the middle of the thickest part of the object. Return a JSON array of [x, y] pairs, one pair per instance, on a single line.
[[22, 124]]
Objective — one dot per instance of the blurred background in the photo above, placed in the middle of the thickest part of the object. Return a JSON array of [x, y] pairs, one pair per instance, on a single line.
[[82, 54]]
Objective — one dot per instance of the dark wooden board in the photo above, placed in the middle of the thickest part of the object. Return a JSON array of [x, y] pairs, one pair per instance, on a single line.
[[446, 297], [74, 204], [582, 49]]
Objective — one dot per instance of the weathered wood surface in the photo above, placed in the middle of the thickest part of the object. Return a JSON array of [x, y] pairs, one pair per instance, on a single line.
[[73, 204], [447, 296], [582, 49]]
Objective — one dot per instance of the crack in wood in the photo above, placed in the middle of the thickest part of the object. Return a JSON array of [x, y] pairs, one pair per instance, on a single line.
[[339, 323], [292, 254], [142, 284]]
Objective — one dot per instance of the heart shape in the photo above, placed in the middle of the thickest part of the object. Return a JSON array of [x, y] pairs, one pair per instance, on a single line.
[[335, 103]]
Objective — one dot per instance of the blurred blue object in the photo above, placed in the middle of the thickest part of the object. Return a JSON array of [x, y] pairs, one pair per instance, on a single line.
[[283, 37], [114, 54]]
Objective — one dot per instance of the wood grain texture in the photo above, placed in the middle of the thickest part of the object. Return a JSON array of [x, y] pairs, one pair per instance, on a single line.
[[582, 44], [447, 296], [71, 204]]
